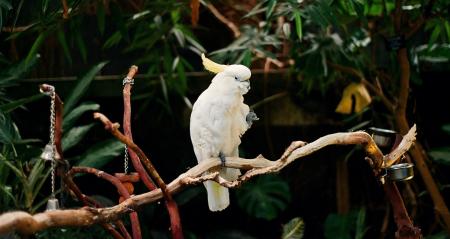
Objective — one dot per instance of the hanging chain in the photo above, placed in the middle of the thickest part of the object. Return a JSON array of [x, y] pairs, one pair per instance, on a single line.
[[126, 80], [125, 161], [52, 138]]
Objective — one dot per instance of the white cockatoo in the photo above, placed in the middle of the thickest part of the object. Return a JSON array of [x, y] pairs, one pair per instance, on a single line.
[[218, 120]]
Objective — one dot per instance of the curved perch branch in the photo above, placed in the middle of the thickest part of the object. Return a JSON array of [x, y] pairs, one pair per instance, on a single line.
[[28, 224]]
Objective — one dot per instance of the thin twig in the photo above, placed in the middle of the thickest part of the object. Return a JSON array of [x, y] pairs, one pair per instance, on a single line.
[[224, 20]]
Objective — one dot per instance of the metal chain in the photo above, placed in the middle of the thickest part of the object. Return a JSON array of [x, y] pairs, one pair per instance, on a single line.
[[125, 161], [126, 80], [52, 138]]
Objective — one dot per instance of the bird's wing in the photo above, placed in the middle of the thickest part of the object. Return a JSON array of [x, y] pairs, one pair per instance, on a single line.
[[210, 125]]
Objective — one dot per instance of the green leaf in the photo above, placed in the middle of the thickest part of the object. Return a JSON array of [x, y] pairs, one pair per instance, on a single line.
[[440, 235], [44, 6], [256, 10], [101, 153], [9, 133], [441, 155], [447, 29], [298, 25], [434, 35], [264, 197], [113, 40], [63, 42], [71, 117], [5, 4], [18, 71], [294, 229], [74, 136], [1, 18], [81, 45], [36, 45], [361, 228], [7, 190], [6, 108], [270, 7], [101, 17], [81, 87], [247, 59], [337, 227], [36, 172], [446, 128]]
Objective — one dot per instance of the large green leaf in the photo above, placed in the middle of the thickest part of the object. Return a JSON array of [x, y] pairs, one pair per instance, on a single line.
[[361, 228], [9, 133], [36, 46], [264, 197], [101, 153], [75, 135], [63, 42], [71, 117], [338, 226], [81, 87], [298, 25], [441, 155], [346, 226], [294, 229], [19, 103], [270, 7], [16, 71], [446, 128]]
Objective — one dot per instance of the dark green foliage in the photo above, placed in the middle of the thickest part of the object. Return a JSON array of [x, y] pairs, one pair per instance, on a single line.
[[264, 197], [347, 226]]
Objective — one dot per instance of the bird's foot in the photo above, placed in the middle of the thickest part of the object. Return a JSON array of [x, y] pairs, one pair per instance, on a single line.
[[222, 159]]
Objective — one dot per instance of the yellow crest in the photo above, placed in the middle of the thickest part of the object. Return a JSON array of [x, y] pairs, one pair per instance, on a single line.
[[211, 65]]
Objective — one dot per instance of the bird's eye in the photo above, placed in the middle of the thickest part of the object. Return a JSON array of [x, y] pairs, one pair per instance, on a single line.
[[236, 78]]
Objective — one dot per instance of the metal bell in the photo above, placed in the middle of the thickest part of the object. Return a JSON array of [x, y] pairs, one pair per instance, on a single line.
[[52, 204], [47, 153]]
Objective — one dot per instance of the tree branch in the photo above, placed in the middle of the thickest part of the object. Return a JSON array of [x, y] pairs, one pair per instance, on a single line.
[[172, 207], [27, 224], [224, 20]]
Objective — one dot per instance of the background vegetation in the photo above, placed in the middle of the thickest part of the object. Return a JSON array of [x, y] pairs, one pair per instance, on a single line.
[[302, 54]]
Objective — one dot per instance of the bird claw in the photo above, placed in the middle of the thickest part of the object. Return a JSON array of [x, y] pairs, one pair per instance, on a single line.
[[222, 159]]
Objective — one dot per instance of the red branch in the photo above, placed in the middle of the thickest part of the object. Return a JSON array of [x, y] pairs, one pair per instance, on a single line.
[[127, 130], [120, 189], [172, 207], [63, 165]]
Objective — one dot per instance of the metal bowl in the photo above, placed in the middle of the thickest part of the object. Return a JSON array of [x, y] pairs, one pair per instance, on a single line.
[[383, 137], [401, 172]]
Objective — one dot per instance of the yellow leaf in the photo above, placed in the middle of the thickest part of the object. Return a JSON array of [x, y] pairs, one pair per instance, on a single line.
[[359, 93]]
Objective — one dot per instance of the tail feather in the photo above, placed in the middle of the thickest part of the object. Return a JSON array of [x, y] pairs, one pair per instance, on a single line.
[[218, 196]]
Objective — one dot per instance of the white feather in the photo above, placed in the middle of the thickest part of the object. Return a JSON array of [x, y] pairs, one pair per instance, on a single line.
[[218, 120]]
